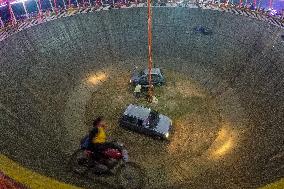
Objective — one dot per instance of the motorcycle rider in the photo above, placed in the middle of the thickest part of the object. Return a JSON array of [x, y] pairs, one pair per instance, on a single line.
[[97, 138]]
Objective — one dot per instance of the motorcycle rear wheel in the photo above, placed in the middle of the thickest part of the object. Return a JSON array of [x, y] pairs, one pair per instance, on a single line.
[[79, 162], [130, 176]]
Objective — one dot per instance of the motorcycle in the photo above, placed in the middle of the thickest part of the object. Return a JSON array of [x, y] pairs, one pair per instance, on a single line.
[[112, 161]]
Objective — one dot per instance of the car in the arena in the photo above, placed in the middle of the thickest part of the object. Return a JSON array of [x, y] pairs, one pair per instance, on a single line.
[[141, 77], [203, 30], [147, 121]]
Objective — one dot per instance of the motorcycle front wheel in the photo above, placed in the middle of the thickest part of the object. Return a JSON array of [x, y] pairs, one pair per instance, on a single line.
[[79, 162], [130, 176]]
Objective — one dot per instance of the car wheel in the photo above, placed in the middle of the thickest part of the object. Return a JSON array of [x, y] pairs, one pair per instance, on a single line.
[[79, 162]]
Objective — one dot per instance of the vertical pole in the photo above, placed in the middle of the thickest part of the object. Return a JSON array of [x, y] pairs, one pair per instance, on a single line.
[[69, 3], [38, 3], [150, 90], [25, 9], [55, 6], [241, 2], [254, 3], [90, 4], [2, 23], [259, 3], [77, 4], [38, 6], [51, 5], [64, 4], [270, 4], [12, 16]]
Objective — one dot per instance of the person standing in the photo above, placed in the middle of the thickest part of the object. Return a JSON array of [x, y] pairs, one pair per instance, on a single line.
[[137, 90]]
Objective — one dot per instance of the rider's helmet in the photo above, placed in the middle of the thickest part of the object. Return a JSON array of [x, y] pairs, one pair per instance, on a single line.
[[97, 121]]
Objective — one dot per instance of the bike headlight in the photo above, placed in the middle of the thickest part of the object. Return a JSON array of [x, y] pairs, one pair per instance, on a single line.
[[120, 144], [167, 135], [130, 81]]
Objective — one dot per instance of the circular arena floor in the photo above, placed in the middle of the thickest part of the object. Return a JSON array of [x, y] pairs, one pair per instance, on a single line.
[[224, 92]]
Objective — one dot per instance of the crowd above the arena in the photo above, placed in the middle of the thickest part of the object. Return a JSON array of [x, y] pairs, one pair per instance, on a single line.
[[118, 3]]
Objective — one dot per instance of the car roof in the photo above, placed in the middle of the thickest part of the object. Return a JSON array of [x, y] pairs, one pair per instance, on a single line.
[[153, 71], [139, 112]]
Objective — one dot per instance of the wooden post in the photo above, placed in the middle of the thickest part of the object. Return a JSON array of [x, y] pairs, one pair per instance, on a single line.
[[150, 89]]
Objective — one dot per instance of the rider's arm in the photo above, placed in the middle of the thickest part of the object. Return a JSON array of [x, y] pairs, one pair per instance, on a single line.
[[93, 133]]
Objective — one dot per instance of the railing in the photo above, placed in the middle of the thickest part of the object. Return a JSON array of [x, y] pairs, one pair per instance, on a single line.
[[44, 16]]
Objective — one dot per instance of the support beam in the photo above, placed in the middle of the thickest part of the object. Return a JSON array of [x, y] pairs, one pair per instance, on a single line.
[[51, 5], [12, 15], [55, 6], [270, 4], [38, 4], [1, 23], [64, 4], [25, 9]]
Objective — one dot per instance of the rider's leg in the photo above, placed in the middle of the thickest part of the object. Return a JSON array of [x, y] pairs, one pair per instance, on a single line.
[[110, 145]]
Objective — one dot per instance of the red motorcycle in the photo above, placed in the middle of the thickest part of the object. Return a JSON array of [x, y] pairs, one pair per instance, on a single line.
[[112, 161]]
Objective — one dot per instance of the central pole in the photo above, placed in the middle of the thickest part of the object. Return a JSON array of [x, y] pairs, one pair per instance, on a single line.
[[150, 89]]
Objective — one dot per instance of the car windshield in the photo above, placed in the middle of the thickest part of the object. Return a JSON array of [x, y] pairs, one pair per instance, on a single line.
[[153, 118]]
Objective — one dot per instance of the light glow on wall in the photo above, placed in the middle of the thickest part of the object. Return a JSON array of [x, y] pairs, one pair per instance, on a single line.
[[3, 2]]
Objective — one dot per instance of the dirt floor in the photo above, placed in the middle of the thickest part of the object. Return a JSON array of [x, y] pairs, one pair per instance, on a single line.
[[196, 125]]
